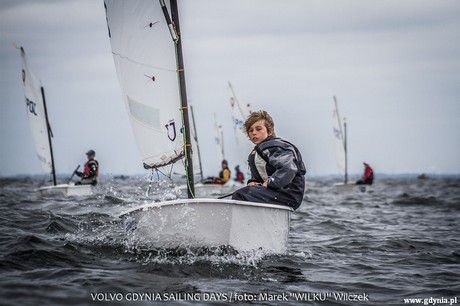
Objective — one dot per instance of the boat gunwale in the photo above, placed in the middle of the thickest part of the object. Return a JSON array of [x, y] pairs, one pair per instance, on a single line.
[[203, 201], [62, 187]]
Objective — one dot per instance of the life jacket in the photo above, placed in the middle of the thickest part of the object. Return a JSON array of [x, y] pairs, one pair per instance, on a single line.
[[87, 169], [258, 160], [224, 175], [262, 150], [368, 173]]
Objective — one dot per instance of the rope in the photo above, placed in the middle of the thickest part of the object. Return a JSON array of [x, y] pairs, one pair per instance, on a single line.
[[158, 172]]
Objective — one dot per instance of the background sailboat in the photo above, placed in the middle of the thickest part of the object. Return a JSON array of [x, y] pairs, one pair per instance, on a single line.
[[42, 134], [207, 189], [219, 139], [240, 112], [147, 51], [244, 146], [231, 185], [340, 137], [197, 162]]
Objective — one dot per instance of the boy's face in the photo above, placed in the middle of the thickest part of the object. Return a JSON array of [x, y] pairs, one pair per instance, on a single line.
[[258, 132]]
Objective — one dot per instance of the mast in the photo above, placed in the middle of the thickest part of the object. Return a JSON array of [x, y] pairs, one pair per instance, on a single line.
[[197, 145], [345, 147], [236, 100], [222, 139], [219, 135], [50, 135], [183, 94]]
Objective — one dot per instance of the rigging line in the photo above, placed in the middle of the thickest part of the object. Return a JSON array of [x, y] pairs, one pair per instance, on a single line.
[[168, 175], [171, 173], [143, 64], [158, 174]]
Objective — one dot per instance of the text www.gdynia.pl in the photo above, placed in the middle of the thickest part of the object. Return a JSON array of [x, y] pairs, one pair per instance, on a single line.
[[431, 301]]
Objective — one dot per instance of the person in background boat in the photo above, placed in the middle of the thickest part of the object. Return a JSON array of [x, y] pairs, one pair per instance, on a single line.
[[277, 169], [368, 176], [90, 171], [422, 176], [239, 175], [224, 175]]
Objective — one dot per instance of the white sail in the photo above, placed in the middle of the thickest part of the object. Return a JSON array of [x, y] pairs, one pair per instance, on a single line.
[[196, 156], [36, 114], [239, 114], [339, 138], [145, 61], [219, 139]]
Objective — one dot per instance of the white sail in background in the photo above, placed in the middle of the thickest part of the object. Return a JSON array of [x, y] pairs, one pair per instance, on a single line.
[[219, 139], [239, 114], [36, 114], [339, 138], [145, 61], [196, 156]]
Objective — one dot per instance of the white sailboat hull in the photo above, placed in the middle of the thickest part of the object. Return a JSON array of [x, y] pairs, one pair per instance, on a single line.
[[210, 222], [341, 187], [65, 190]]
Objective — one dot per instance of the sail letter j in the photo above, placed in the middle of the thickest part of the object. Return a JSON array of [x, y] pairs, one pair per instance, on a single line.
[[171, 128]]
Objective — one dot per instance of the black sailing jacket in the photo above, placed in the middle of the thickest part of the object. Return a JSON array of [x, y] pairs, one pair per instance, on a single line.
[[279, 162]]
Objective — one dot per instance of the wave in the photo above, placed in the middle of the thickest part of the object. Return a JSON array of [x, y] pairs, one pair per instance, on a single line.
[[406, 199], [401, 240]]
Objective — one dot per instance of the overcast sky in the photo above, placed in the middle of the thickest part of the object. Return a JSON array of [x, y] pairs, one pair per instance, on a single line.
[[393, 65]]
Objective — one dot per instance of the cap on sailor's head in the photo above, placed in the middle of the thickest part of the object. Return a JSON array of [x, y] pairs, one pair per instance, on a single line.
[[91, 152]]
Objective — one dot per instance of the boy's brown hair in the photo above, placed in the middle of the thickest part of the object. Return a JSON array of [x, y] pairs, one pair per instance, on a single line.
[[260, 115]]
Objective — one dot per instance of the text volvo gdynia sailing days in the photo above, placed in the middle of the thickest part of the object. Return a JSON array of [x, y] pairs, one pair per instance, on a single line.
[[157, 296]]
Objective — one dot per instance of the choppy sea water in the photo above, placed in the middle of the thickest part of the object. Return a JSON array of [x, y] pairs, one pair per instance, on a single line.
[[396, 245]]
